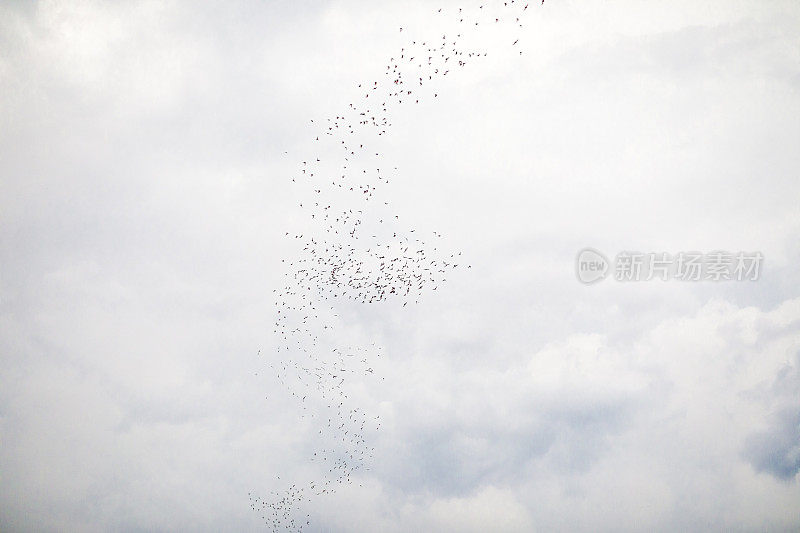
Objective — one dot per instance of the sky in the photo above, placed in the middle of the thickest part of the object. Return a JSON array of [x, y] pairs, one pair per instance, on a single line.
[[146, 156]]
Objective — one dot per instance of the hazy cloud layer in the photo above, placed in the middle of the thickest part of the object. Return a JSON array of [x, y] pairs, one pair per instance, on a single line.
[[144, 192]]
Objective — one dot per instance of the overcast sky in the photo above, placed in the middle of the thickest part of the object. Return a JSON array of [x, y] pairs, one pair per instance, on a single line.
[[145, 187]]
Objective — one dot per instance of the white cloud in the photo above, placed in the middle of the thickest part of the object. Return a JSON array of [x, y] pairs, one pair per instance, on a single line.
[[144, 191]]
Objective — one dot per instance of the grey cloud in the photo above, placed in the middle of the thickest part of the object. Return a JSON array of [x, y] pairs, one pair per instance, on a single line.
[[777, 450], [144, 191]]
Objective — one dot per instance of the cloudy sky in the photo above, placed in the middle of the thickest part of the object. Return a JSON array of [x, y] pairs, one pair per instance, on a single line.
[[146, 151]]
